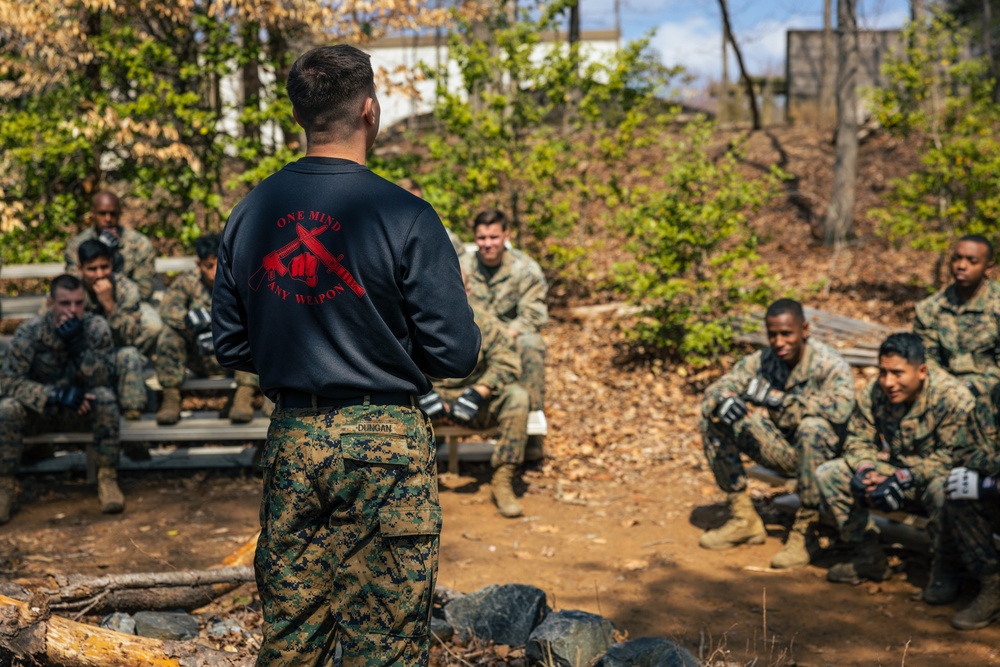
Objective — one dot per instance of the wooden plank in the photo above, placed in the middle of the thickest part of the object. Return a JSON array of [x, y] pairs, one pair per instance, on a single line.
[[21, 307], [53, 269], [197, 427]]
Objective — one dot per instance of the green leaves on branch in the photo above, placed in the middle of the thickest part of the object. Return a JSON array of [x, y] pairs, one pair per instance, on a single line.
[[940, 97], [696, 271]]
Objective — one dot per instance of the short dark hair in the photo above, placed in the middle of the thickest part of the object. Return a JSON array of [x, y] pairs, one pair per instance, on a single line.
[[327, 87], [905, 345], [786, 307], [207, 246], [982, 240], [491, 216], [66, 281], [92, 249]]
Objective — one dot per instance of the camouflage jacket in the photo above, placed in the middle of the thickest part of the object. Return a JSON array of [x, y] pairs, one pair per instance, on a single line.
[[38, 360], [515, 293], [981, 451], [134, 258], [821, 385], [125, 321], [187, 292], [963, 338], [922, 437], [498, 366]]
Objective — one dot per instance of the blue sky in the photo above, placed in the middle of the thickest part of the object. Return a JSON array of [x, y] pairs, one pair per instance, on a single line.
[[689, 32]]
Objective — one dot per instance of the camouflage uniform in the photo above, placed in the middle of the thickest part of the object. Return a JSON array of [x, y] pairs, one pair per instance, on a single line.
[[793, 438], [134, 258], [963, 338], [36, 362], [175, 347], [972, 523], [515, 293], [920, 437], [127, 335], [351, 524], [498, 368]]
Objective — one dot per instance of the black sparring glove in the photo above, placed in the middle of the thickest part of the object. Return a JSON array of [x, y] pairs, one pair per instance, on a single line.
[[71, 332], [465, 409], [858, 487], [761, 392], [888, 496], [109, 238], [69, 396], [205, 344], [432, 405], [731, 410], [198, 320], [966, 484]]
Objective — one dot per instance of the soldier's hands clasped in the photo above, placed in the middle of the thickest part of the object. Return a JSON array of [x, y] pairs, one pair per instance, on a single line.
[[965, 484], [760, 391], [432, 405], [109, 238], [467, 407], [71, 332], [859, 483], [731, 410], [69, 396], [888, 496]]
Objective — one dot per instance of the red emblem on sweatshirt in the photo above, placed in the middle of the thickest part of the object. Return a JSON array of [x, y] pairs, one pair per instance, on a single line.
[[304, 254]]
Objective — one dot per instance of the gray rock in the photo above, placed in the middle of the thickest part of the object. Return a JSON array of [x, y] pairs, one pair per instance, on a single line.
[[500, 614], [441, 630], [223, 628], [647, 652], [166, 625], [569, 639], [119, 622]]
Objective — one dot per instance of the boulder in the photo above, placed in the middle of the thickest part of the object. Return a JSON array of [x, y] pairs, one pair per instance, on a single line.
[[569, 639], [647, 652], [441, 630], [500, 614], [119, 622], [166, 625]]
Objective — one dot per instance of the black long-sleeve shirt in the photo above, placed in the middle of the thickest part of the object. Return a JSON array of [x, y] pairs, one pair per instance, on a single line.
[[334, 281]]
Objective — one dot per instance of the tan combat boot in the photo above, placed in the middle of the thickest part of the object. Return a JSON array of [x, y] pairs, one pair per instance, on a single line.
[[170, 407], [242, 409], [801, 542], [983, 609], [8, 495], [111, 497], [744, 525], [503, 491]]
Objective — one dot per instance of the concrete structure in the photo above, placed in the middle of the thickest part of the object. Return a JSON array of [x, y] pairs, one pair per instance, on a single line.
[[405, 93]]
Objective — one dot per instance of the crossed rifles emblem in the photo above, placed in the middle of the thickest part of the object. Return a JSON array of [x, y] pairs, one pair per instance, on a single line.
[[304, 265]]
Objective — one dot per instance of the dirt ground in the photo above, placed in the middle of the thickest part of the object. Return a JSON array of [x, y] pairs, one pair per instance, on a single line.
[[613, 516]]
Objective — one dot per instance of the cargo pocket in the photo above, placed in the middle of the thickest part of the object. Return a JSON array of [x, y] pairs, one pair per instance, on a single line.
[[382, 449], [412, 534]]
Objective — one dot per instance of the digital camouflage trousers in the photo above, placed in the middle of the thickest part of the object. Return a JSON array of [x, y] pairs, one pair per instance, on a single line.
[[795, 455], [350, 530], [17, 421], [971, 524], [174, 354], [509, 411], [129, 378], [531, 347], [853, 518]]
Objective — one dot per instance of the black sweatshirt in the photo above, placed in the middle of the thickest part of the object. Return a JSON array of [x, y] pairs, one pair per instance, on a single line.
[[332, 280]]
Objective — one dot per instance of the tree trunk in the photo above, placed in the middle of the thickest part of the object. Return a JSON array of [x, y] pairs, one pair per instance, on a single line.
[[575, 94], [827, 68], [29, 631], [988, 47], [251, 79], [751, 97], [144, 591], [917, 8], [839, 220]]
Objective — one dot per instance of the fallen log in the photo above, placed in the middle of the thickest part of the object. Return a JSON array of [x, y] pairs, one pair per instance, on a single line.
[[148, 591], [30, 631]]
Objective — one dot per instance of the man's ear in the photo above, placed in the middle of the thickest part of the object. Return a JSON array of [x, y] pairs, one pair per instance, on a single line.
[[368, 111], [295, 115], [805, 330]]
